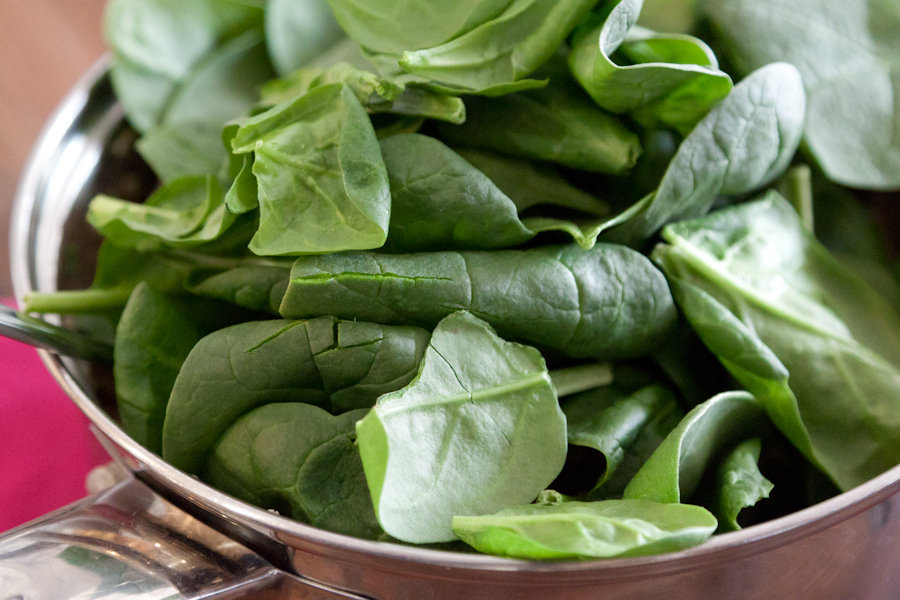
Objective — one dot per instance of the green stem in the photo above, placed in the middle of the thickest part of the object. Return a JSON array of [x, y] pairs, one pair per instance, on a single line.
[[581, 378], [77, 302]]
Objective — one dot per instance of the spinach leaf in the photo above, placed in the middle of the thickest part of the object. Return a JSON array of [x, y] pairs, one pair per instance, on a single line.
[[224, 85], [502, 50], [392, 26], [739, 484], [301, 461], [252, 284], [673, 471], [157, 43], [478, 429], [674, 80], [531, 184], [376, 94], [154, 336], [297, 31], [185, 212], [440, 201], [610, 421], [849, 56], [800, 330], [607, 302], [606, 529], [237, 369], [559, 124], [744, 142], [322, 184]]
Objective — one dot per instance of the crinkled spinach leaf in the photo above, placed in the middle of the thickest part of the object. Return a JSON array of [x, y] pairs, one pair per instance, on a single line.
[[479, 429], [322, 183], [237, 369], [739, 484], [185, 212], [605, 529]]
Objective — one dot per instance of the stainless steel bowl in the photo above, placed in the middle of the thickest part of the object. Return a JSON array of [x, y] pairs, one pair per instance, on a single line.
[[846, 547]]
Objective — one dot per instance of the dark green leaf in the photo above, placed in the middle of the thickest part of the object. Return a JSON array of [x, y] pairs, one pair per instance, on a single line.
[[559, 123], [235, 370], [745, 142], [607, 302], [610, 421], [739, 484], [300, 461]]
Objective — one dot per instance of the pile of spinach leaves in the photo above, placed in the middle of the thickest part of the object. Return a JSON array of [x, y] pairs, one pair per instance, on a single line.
[[521, 273]]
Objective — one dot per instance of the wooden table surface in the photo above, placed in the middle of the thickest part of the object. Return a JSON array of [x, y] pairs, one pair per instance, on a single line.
[[45, 45]]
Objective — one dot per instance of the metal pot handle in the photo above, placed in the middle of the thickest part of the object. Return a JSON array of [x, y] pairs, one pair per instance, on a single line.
[[127, 542]]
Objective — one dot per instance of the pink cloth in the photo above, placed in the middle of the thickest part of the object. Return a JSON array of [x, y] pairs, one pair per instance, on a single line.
[[46, 448]]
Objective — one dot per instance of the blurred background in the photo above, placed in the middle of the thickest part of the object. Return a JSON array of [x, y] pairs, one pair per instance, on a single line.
[[45, 46], [46, 449]]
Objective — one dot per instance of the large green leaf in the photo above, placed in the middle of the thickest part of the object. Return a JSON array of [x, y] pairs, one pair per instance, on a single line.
[[479, 429], [606, 529], [849, 56], [603, 303], [674, 80], [392, 26], [322, 183], [809, 337]]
